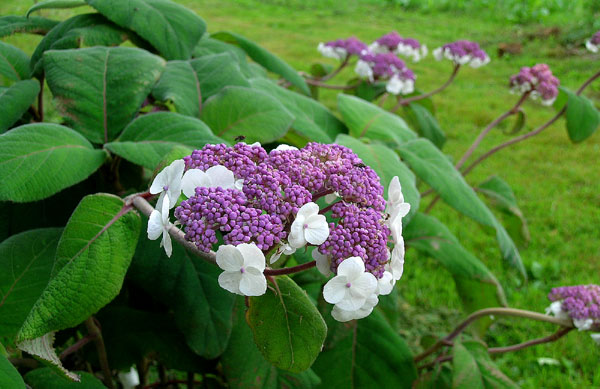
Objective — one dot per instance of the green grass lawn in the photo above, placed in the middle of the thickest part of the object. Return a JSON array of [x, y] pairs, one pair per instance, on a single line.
[[556, 182]]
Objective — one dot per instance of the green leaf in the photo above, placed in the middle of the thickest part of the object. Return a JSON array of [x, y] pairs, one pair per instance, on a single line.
[[313, 119], [475, 283], [473, 368], [287, 327], [15, 100], [179, 84], [16, 24], [582, 117], [366, 353], [14, 63], [239, 111], [429, 164], [100, 89], [386, 164], [46, 378], [368, 120], [263, 57], [426, 124], [38, 160], [189, 287], [368, 91], [217, 71], [92, 257], [171, 28], [53, 4], [147, 139], [43, 348], [245, 367], [9, 376], [26, 260]]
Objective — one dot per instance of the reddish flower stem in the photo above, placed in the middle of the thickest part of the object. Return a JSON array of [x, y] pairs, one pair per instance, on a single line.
[[289, 270]]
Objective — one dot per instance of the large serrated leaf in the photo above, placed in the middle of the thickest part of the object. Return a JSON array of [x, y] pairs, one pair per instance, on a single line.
[[288, 329], [26, 260], [99, 90], [38, 160], [147, 139], [92, 257], [265, 58], [254, 114], [34, 25], [432, 166], [171, 28], [386, 164], [15, 100], [14, 63]]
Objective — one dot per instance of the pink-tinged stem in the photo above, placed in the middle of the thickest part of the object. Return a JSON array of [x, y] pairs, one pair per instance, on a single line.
[[289, 270]]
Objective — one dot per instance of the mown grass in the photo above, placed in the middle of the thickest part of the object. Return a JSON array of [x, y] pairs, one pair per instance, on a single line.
[[556, 183]]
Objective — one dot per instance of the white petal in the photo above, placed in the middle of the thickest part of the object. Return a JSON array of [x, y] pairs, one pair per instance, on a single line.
[[296, 237], [307, 210], [395, 225], [220, 176], [364, 285], [317, 231], [159, 202], [335, 289], [284, 147], [253, 256], [288, 250], [193, 179], [385, 284], [395, 190], [239, 184], [583, 324], [253, 283], [323, 262], [352, 301], [164, 211], [276, 255], [229, 258], [167, 244], [155, 226], [342, 315], [352, 268], [397, 261], [230, 280], [331, 197], [596, 338], [160, 181]]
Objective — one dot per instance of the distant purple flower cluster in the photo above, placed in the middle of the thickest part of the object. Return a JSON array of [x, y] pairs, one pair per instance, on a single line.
[[538, 81], [593, 44], [394, 43], [387, 66], [341, 49], [462, 52], [581, 303]]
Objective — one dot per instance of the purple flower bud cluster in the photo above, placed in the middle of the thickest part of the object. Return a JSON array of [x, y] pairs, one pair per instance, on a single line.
[[342, 48], [538, 81], [581, 302], [462, 52], [360, 232], [393, 42], [387, 66], [596, 38]]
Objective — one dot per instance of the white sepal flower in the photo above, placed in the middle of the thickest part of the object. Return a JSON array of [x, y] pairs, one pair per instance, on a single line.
[[351, 287], [308, 227], [397, 261], [244, 265], [364, 70], [129, 379], [323, 262], [591, 47], [596, 338], [168, 182], [283, 249], [385, 284], [583, 324], [158, 224], [365, 310], [214, 176], [555, 309], [284, 147], [396, 206]]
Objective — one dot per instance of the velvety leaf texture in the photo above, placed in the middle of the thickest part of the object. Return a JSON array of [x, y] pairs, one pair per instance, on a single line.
[[426, 124], [20, 24], [15, 100], [14, 63], [54, 4]]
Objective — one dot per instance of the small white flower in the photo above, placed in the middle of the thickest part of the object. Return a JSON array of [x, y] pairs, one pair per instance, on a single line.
[[284, 147], [591, 47], [244, 265], [396, 264], [583, 324], [477, 62], [323, 262], [332, 52], [396, 206], [364, 70], [556, 310], [394, 85], [130, 379], [365, 310], [385, 284], [158, 225], [168, 182], [283, 249], [308, 227], [214, 176], [438, 54], [596, 338], [351, 287]]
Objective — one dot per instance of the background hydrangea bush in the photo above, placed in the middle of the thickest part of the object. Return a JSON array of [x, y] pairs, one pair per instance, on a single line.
[[303, 212]]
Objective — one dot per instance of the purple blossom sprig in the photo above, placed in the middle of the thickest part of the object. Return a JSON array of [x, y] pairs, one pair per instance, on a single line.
[[342, 49], [581, 303], [386, 67], [538, 81], [394, 43], [462, 52]]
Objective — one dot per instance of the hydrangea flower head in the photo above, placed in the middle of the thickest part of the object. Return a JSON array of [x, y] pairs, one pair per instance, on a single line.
[[388, 67], [394, 43], [538, 81], [593, 44], [341, 49], [462, 52], [581, 303]]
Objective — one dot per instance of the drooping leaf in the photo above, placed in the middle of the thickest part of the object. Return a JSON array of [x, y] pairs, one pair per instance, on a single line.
[[147, 139], [245, 367], [9, 376], [100, 89], [43, 348], [473, 368], [426, 124], [171, 28], [46, 378], [14, 63], [262, 56], [288, 329], [369, 121], [386, 164], [26, 260], [15, 100], [189, 287], [313, 120], [239, 111], [476, 285], [38, 160], [53, 4], [366, 353], [429, 164], [179, 84], [217, 71], [582, 116], [16, 24], [92, 257]]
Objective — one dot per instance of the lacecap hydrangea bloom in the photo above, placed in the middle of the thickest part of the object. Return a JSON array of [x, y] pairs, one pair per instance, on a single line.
[[579, 303], [341, 49], [386, 67], [394, 43], [268, 204], [593, 43], [462, 53], [538, 81]]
